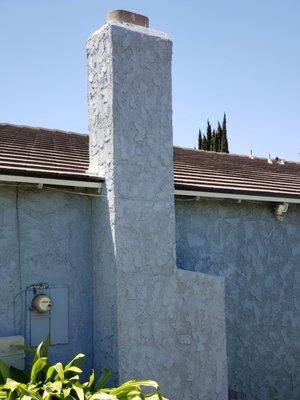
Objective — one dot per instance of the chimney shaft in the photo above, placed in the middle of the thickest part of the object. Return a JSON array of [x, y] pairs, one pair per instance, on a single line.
[[130, 125], [151, 319]]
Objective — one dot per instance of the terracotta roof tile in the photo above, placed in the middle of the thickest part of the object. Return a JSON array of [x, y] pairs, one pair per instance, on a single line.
[[220, 172], [44, 152], [52, 153]]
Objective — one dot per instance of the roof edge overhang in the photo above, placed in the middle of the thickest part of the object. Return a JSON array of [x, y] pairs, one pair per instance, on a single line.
[[236, 195], [63, 181]]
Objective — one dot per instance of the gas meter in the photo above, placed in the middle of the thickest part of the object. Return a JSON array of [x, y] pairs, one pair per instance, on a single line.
[[41, 303]]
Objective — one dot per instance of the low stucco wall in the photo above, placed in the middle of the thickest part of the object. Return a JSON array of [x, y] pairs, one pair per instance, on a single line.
[[259, 258], [45, 236], [200, 336]]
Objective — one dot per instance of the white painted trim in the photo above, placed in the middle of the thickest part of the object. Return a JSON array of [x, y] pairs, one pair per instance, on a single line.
[[236, 196], [49, 181]]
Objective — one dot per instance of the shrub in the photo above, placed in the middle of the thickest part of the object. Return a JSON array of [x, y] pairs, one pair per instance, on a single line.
[[59, 381]]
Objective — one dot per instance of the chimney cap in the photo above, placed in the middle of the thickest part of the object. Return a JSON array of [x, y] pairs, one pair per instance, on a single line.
[[128, 17]]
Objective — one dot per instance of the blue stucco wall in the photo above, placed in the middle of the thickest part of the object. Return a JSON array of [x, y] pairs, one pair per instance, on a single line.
[[259, 258], [45, 236]]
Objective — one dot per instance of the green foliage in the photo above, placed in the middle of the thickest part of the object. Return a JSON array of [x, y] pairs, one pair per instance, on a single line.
[[46, 382], [224, 140], [214, 140], [214, 146], [208, 136], [204, 143], [219, 137], [199, 139]]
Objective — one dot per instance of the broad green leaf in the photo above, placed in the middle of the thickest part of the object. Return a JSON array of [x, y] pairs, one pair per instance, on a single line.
[[155, 396], [159, 393], [75, 361], [38, 366], [50, 373], [73, 369], [74, 378], [147, 383], [79, 391], [60, 370], [92, 379], [102, 396], [66, 392], [46, 395], [4, 372], [126, 387], [54, 386], [71, 397], [63, 383], [3, 395], [104, 378], [45, 347], [29, 391], [26, 397], [37, 354], [131, 386], [11, 384], [133, 393]]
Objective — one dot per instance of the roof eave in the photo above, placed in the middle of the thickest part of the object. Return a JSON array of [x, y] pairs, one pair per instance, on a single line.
[[214, 193], [52, 179]]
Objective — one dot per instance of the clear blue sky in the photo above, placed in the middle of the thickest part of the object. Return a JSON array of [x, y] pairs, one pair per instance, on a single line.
[[242, 57]]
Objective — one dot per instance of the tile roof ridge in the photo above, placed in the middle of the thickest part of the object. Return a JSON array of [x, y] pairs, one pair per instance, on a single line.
[[219, 153], [235, 155]]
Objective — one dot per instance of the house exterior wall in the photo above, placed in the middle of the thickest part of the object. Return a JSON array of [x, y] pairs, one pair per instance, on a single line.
[[45, 236], [259, 258], [52, 237]]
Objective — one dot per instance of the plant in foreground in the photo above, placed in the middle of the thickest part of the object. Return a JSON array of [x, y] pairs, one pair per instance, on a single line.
[[59, 381]]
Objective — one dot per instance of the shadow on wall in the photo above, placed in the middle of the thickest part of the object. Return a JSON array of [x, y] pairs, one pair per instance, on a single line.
[[105, 313]]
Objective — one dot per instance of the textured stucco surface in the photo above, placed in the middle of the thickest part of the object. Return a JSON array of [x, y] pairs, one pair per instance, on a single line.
[[46, 237], [154, 321], [259, 258], [9, 260]]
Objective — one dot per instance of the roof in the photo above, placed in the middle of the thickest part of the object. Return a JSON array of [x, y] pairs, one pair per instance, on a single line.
[[29, 151], [231, 173]]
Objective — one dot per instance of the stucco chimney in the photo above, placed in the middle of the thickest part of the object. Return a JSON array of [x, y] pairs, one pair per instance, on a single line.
[[130, 125], [140, 298]]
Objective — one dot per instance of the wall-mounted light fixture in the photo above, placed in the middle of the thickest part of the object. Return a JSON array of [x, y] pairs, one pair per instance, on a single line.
[[281, 210]]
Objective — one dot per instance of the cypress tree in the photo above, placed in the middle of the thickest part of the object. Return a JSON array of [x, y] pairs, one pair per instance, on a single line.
[[204, 143], [219, 137], [214, 141], [208, 135], [200, 140], [224, 140]]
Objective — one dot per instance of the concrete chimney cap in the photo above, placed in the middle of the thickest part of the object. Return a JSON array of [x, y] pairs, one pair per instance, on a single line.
[[128, 17]]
